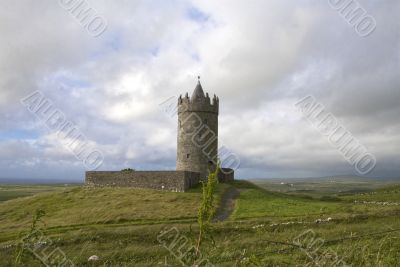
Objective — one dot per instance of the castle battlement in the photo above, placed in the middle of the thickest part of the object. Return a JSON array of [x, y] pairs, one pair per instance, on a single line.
[[198, 102]]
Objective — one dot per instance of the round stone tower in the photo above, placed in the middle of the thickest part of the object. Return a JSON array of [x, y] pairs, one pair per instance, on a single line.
[[197, 132]]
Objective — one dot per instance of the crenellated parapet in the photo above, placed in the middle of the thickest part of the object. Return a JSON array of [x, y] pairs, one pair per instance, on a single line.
[[198, 102]]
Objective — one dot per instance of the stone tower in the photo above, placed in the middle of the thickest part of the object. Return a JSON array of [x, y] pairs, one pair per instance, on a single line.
[[197, 132]]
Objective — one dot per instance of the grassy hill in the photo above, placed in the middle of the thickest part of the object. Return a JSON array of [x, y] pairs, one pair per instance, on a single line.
[[121, 226], [8, 192], [80, 206]]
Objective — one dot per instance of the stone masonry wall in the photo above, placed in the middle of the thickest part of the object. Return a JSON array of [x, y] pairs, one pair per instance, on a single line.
[[176, 181], [226, 175]]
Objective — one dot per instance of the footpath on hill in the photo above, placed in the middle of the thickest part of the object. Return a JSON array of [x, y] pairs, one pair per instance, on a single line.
[[227, 204]]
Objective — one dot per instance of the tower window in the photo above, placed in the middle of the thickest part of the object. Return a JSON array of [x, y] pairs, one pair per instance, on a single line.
[[187, 156]]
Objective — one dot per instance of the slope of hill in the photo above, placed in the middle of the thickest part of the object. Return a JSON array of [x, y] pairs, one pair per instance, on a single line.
[[122, 227], [8, 191], [81, 206]]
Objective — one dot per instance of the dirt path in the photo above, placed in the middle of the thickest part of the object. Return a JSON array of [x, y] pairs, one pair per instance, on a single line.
[[227, 205]]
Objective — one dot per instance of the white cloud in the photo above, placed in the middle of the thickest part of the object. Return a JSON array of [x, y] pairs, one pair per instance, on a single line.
[[259, 57]]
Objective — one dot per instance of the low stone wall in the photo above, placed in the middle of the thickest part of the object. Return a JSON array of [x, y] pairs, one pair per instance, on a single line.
[[176, 181]]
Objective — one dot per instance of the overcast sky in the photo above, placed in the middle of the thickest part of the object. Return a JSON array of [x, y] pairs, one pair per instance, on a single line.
[[259, 57]]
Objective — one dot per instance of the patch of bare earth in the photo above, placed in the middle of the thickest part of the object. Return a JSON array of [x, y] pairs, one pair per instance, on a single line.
[[227, 204]]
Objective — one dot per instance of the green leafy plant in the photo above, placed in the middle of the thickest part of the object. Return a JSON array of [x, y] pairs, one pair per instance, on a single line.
[[207, 209], [33, 232]]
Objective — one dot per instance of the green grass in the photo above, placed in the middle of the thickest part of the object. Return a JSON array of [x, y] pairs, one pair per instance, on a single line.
[[121, 225], [255, 201], [260, 203], [318, 187], [87, 206], [385, 194], [8, 192]]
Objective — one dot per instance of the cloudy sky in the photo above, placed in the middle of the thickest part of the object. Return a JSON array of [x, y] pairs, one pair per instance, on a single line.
[[259, 57]]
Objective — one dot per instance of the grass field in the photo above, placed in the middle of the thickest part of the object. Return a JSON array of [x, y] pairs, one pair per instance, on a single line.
[[8, 192], [266, 228]]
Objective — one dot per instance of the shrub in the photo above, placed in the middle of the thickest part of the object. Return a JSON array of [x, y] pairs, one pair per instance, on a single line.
[[128, 170]]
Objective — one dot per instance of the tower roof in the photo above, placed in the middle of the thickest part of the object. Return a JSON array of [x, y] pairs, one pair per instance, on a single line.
[[198, 91]]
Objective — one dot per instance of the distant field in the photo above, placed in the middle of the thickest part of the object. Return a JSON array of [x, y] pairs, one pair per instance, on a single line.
[[324, 186], [121, 226], [8, 191]]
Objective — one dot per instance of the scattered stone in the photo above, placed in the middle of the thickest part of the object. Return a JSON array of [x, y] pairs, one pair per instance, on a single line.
[[383, 203], [93, 258], [258, 226], [323, 220]]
